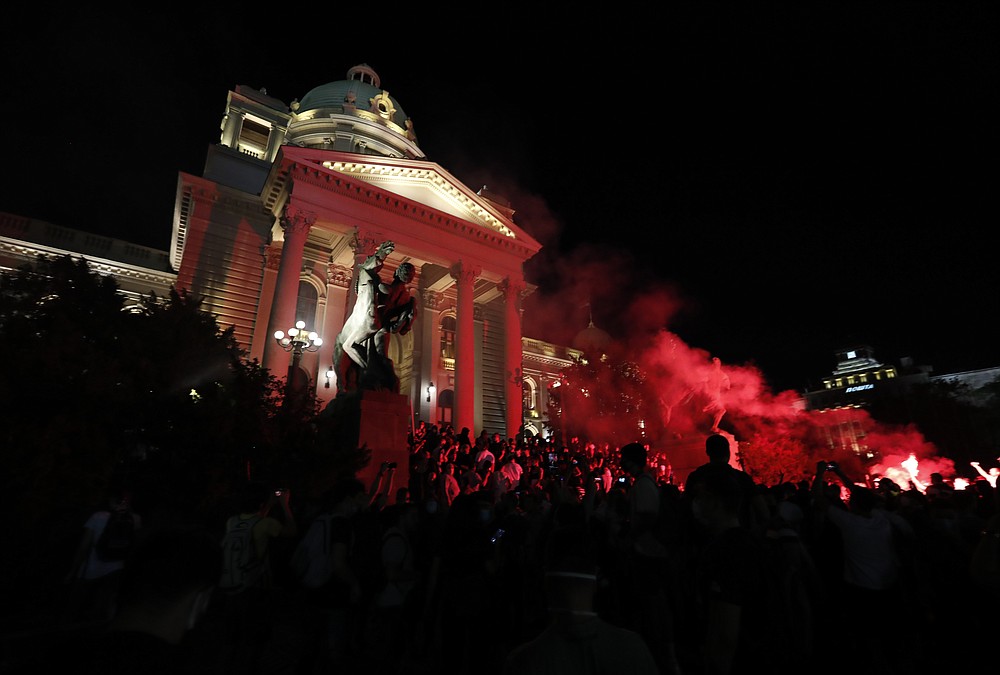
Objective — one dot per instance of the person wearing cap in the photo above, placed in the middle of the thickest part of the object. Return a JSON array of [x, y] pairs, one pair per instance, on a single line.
[[577, 640]]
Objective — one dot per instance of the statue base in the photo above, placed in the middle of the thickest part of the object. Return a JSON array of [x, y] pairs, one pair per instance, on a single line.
[[382, 420]]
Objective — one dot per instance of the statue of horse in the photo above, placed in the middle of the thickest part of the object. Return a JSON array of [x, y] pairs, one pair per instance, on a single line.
[[353, 350]]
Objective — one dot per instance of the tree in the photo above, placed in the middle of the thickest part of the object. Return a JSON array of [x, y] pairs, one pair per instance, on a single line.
[[962, 422], [606, 400], [153, 394], [773, 459]]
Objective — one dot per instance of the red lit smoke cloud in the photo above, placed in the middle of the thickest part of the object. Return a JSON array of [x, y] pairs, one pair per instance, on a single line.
[[637, 311]]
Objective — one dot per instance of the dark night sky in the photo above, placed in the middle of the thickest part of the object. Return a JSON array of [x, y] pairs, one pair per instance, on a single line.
[[802, 178]]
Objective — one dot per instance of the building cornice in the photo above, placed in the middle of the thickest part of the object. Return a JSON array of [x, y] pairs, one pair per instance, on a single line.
[[365, 192], [29, 252]]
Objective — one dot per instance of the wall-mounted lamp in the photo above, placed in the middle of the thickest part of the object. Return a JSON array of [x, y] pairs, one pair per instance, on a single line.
[[430, 391], [329, 376]]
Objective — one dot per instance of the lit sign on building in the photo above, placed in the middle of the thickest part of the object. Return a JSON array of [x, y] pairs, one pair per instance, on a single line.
[[860, 387]]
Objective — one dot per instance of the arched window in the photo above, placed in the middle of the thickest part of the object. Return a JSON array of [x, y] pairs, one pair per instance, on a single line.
[[528, 398], [305, 306], [448, 326], [445, 405]]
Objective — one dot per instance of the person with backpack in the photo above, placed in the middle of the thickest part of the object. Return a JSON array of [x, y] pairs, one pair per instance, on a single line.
[[166, 585], [334, 601], [246, 586], [107, 539]]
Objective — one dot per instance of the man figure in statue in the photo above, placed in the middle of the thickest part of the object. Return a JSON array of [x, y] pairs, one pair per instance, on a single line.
[[397, 308], [361, 349], [715, 383]]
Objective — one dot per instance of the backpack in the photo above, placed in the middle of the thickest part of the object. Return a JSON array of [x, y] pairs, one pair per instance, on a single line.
[[312, 561], [117, 537], [241, 566]]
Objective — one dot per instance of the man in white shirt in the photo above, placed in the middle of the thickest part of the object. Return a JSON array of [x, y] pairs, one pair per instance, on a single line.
[[511, 471]]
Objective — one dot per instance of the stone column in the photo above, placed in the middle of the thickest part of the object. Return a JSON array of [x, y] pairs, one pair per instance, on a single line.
[[512, 289], [338, 283], [274, 140], [296, 223], [231, 127], [430, 354], [465, 347]]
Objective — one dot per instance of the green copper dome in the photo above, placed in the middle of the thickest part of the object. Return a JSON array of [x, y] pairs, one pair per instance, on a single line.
[[361, 90]]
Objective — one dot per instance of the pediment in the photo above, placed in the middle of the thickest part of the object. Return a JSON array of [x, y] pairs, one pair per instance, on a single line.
[[420, 181]]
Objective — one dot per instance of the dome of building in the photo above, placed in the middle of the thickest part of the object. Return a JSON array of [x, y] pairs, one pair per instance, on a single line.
[[591, 340], [362, 89], [354, 114]]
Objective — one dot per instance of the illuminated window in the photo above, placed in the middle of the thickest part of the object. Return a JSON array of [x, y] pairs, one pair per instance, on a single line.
[[305, 305], [448, 326], [850, 380], [253, 138], [863, 377], [528, 395], [890, 373]]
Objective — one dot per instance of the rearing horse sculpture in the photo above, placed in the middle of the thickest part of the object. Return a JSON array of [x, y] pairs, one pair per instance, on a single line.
[[353, 350]]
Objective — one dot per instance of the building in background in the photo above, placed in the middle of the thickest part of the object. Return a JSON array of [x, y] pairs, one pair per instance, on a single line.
[[861, 382], [291, 200]]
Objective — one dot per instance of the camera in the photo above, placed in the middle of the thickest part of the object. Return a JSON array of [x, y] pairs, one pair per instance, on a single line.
[[831, 466], [498, 535], [621, 479], [278, 493]]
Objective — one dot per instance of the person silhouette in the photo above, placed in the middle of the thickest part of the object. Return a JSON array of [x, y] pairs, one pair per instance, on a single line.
[[93, 581], [754, 512], [990, 476], [166, 586], [577, 639]]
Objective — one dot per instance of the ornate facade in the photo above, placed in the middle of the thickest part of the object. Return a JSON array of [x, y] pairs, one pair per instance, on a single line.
[[294, 197]]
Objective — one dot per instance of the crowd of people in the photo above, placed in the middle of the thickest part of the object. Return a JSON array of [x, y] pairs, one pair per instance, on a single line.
[[503, 556]]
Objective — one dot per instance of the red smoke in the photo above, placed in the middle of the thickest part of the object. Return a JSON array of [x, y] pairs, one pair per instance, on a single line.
[[606, 286]]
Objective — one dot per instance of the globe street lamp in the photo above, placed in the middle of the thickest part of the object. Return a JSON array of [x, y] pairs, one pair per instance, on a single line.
[[297, 341]]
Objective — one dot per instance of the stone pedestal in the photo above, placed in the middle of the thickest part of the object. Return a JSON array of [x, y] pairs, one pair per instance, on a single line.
[[378, 418], [384, 423]]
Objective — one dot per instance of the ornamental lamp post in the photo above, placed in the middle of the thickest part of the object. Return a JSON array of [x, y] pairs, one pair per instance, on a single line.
[[297, 341]]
